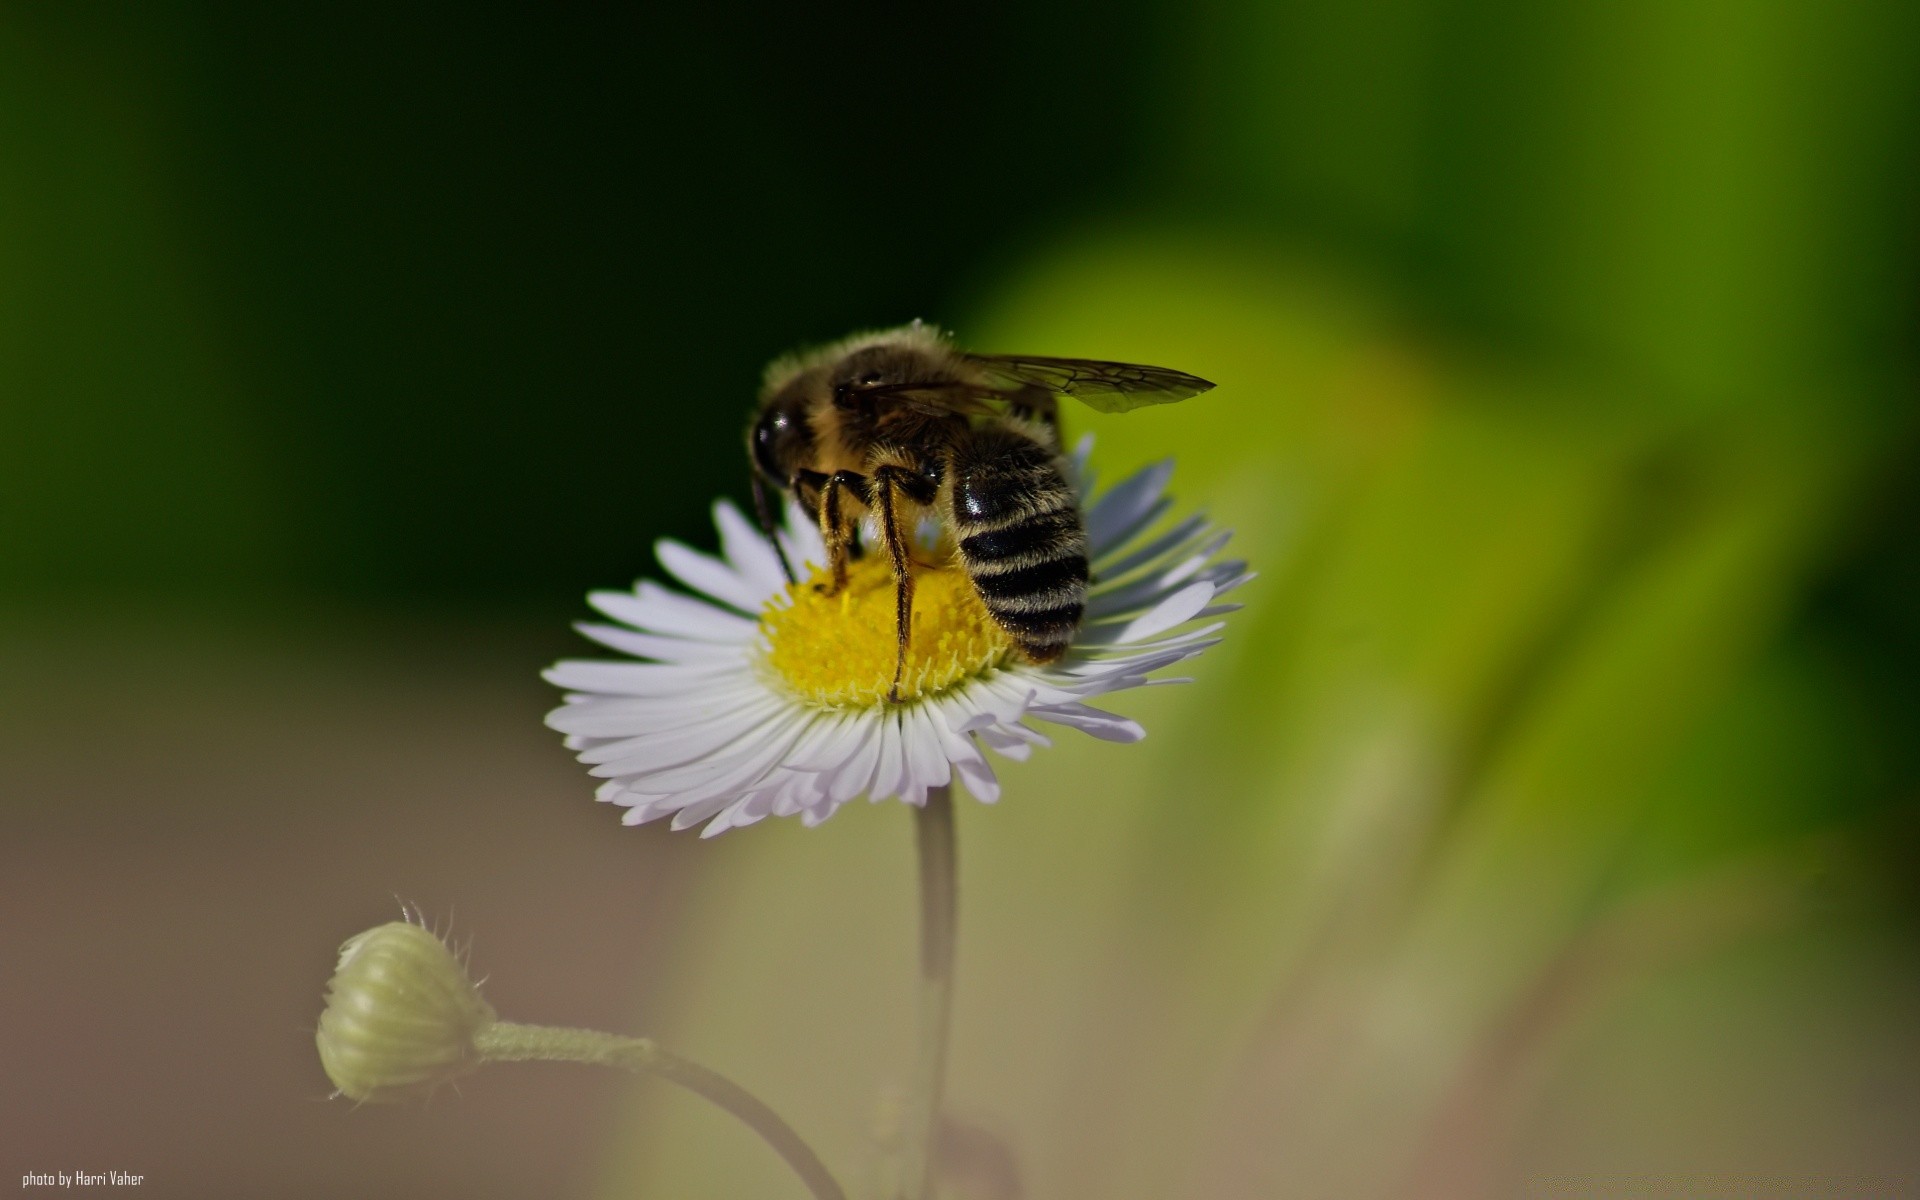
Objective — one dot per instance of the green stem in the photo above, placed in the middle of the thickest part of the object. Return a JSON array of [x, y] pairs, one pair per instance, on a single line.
[[939, 915], [507, 1041]]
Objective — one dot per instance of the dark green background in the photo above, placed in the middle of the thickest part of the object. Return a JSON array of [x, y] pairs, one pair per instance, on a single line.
[[432, 301]]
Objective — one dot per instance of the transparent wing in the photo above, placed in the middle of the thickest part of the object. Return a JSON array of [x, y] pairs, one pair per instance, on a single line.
[[1104, 386]]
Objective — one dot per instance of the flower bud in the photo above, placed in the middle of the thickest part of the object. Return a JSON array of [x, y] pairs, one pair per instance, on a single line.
[[401, 1016]]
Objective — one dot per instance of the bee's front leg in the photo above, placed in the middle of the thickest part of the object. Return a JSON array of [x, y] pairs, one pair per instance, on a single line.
[[836, 526], [763, 512]]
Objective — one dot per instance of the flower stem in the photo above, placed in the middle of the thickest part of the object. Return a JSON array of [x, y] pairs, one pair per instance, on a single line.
[[508, 1041], [939, 914]]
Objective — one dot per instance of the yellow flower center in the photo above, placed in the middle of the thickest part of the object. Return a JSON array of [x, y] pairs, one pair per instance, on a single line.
[[838, 651]]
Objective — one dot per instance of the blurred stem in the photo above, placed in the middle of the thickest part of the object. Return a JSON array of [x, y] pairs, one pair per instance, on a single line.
[[939, 914], [507, 1041]]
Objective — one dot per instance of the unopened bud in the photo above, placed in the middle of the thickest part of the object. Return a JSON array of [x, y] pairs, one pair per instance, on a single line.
[[401, 1016]]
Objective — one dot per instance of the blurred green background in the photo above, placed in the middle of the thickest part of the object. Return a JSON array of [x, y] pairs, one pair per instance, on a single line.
[[1545, 826]]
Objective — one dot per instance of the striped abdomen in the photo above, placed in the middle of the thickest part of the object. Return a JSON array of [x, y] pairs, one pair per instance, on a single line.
[[1021, 539]]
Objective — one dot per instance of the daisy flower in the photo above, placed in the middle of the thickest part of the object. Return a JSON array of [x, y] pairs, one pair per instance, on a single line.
[[757, 697]]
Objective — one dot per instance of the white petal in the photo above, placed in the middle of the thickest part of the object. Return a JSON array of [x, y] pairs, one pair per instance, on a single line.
[[1106, 726], [1135, 664], [1188, 568], [1103, 638], [664, 649], [693, 814], [825, 746], [1177, 609], [968, 764], [944, 718], [636, 679], [604, 720], [1230, 580], [1034, 686], [1026, 733], [1129, 507], [1013, 741], [997, 698], [925, 750], [656, 751], [976, 775], [693, 777], [1146, 590], [817, 814], [800, 541], [1160, 617], [795, 793], [731, 817], [742, 773], [1173, 541], [650, 606], [855, 776], [1004, 746], [709, 575], [1078, 456], [889, 776], [749, 552]]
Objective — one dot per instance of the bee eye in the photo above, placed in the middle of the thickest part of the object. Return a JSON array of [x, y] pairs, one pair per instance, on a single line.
[[776, 436], [766, 433], [869, 378]]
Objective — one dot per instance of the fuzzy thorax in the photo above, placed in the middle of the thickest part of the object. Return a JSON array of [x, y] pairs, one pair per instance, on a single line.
[[839, 651]]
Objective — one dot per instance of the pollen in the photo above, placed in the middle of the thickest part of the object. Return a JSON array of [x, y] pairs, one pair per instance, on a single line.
[[838, 651]]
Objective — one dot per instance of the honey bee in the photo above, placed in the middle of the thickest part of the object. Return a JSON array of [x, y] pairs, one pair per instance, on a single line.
[[900, 424]]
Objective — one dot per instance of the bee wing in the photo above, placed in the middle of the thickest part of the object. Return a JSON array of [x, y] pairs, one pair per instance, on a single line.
[[1103, 386]]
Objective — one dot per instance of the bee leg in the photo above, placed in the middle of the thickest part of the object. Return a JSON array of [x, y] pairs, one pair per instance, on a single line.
[[889, 483], [836, 527], [763, 511]]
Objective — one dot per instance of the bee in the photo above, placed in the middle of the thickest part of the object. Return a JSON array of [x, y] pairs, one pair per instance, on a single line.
[[899, 424]]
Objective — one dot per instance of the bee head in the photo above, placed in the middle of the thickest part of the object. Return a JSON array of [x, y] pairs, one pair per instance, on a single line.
[[780, 441]]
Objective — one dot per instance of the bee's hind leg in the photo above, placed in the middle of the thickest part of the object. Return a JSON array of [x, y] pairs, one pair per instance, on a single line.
[[889, 485]]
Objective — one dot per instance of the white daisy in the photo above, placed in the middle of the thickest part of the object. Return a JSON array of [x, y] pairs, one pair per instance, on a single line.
[[762, 698]]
